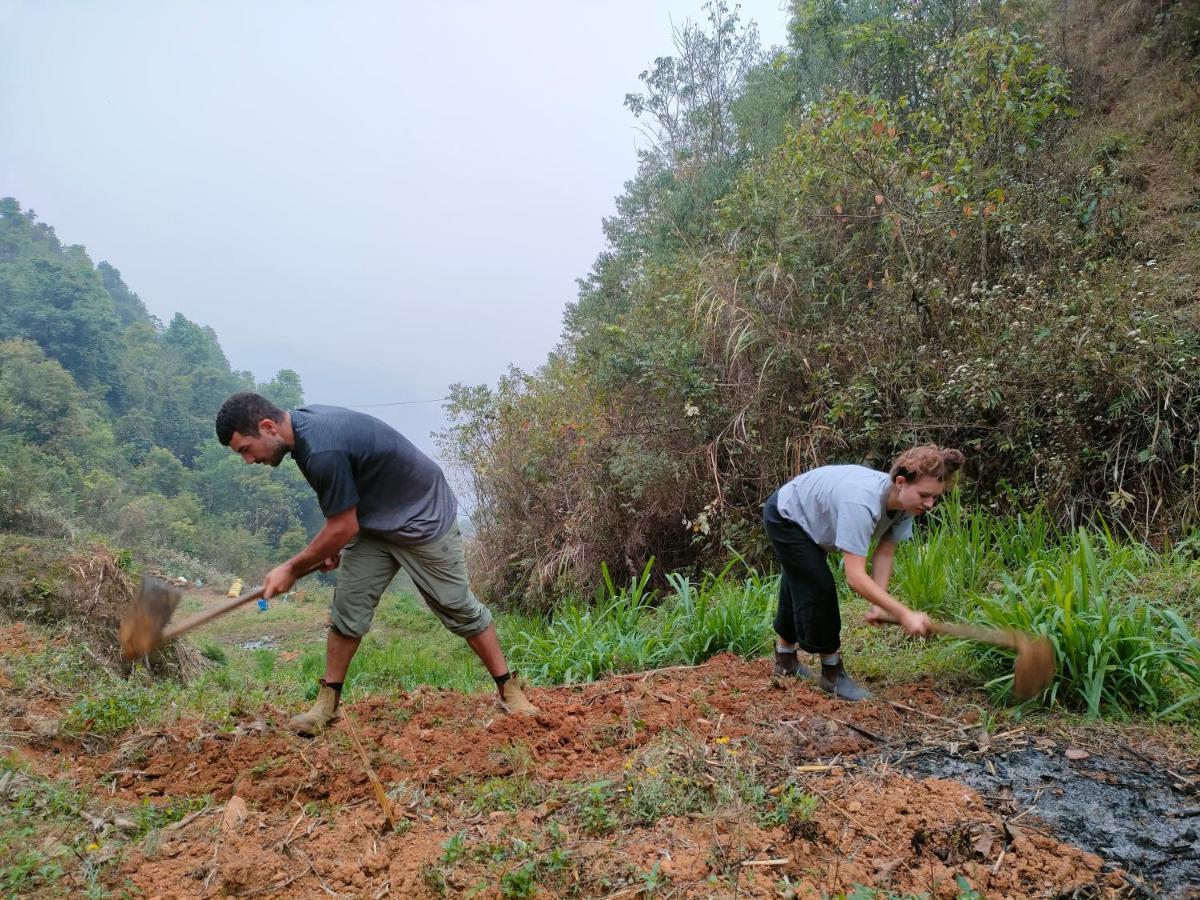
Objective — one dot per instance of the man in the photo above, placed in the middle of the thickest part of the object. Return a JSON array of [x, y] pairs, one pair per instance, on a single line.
[[387, 506]]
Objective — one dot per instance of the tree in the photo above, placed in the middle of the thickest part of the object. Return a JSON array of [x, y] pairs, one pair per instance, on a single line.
[[284, 390], [688, 97]]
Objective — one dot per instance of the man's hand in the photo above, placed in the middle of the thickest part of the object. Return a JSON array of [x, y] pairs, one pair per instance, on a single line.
[[916, 623], [278, 581], [328, 565]]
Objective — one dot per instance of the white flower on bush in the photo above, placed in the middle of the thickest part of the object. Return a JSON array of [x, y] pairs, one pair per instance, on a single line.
[[702, 524]]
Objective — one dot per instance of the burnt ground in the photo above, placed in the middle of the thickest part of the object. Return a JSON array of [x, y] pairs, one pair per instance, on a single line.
[[715, 781]]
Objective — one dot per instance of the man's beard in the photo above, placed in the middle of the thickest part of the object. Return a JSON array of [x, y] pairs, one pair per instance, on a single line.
[[278, 455]]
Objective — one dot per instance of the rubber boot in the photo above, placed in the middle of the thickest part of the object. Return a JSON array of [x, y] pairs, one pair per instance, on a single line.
[[513, 699], [834, 680], [788, 666], [322, 714]]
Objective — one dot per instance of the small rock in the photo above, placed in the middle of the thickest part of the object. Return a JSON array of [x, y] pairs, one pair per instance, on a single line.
[[125, 824], [1075, 754]]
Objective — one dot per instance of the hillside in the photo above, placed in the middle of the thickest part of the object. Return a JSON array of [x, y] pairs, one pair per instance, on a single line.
[[963, 222], [106, 419]]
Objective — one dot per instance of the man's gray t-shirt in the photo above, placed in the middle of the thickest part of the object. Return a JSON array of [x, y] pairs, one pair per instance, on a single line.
[[352, 459], [843, 508]]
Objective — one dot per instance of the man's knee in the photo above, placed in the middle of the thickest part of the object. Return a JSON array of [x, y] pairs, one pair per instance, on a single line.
[[350, 623], [467, 620], [344, 632]]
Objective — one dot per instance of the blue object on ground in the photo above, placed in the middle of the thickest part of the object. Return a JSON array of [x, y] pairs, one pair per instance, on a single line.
[[262, 605]]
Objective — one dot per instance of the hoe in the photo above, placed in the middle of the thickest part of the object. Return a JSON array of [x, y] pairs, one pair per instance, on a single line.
[[144, 625], [1034, 667]]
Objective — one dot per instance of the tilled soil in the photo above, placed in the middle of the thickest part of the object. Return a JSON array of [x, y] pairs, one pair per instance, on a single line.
[[660, 784]]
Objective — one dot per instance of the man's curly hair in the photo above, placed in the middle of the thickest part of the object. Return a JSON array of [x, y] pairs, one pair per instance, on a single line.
[[242, 413]]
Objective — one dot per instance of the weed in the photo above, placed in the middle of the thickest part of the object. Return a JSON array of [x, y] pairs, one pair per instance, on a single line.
[[454, 849], [628, 630], [518, 756], [1114, 651], [43, 836], [214, 652], [150, 816], [595, 808], [504, 794], [435, 879], [521, 882], [653, 880], [793, 808], [112, 708]]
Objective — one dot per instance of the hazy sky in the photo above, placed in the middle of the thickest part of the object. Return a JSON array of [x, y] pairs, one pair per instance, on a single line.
[[387, 197]]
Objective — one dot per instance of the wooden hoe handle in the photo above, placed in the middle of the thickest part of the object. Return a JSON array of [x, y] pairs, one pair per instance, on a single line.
[[174, 631], [995, 636]]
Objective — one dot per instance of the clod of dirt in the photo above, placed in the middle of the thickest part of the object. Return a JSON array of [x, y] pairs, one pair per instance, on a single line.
[[235, 813]]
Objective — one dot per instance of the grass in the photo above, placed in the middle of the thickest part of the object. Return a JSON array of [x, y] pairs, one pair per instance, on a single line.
[[1122, 617], [631, 629], [51, 830], [1116, 651], [1121, 650]]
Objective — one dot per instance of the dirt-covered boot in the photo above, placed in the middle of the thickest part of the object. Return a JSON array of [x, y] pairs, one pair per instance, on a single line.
[[322, 714], [513, 699], [788, 666], [834, 680]]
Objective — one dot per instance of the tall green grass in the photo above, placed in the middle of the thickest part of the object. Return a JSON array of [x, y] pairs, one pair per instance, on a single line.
[[1117, 652], [632, 628], [1095, 595], [1119, 648]]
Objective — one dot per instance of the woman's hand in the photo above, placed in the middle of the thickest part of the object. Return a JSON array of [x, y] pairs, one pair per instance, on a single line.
[[916, 623]]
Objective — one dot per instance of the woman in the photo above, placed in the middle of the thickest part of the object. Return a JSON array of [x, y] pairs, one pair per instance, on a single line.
[[846, 509]]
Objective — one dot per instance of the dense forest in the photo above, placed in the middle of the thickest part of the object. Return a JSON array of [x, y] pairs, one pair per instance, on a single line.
[[963, 221], [106, 419]]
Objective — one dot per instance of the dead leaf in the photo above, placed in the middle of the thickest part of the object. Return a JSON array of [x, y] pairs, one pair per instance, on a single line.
[[879, 199], [235, 813], [1075, 754], [985, 842]]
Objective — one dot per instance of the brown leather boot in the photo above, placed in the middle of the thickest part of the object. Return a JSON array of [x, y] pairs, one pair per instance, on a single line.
[[788, 666], [513, 699], [322, 714]]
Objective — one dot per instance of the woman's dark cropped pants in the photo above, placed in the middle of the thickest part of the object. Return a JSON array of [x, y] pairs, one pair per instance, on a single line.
[[808, 601]]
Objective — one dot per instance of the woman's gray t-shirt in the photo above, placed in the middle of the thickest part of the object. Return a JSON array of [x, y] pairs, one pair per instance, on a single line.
[[352, 459], [843, 508]]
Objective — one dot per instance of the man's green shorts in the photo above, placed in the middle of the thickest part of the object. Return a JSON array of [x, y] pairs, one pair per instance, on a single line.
[[438, 569]]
